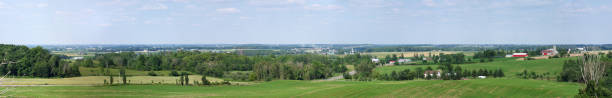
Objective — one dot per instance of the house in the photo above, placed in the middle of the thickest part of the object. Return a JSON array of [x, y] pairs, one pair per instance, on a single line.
[[432, 73], [519, 55], [375, 60], [403, 60], [427, 59], [391, 62], [550, 52]]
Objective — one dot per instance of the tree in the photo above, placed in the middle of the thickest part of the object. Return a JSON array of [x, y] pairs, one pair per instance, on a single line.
[[173, 73], [592, 71], [182, 80], [186, 75], [111, 79], [204, 81], [123, 76], [394, 76]]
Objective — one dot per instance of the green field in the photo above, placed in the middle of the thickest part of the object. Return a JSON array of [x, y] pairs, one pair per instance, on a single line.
[[90, 85], [510, 67], [516, 88]]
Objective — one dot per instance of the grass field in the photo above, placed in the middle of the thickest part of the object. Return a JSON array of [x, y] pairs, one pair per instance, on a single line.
[[510, 67], [515, 88]]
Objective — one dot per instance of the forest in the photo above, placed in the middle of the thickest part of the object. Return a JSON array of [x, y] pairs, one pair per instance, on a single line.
[[34, 62]]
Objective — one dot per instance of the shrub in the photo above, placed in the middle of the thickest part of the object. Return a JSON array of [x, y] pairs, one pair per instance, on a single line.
[[152, 73], [174, 73]]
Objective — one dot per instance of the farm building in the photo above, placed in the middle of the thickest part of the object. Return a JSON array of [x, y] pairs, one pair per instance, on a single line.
[[375, 60], [519, 55], [391, 62], [432, 73], [550, 52], [403, 60]]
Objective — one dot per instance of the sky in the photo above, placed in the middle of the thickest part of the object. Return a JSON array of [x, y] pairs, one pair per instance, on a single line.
[[305, 21]]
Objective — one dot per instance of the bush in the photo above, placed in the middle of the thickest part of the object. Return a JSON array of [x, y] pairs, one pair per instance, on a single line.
[[152, 73], [347, 76], [174, 73]]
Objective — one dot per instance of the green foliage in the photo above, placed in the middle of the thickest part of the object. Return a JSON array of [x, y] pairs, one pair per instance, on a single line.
[[34, 62], [123, 75], [205, 81], [152, 73], [364, 71], [173, 73]]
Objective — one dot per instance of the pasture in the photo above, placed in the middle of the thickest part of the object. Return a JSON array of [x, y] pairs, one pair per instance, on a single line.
[[516, 88]]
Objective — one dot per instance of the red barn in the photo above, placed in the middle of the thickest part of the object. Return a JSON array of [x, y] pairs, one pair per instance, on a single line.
[[519, 55]]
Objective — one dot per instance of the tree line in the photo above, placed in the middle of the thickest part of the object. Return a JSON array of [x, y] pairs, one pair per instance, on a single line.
[[34, 62], [447, 72], [268, 67]]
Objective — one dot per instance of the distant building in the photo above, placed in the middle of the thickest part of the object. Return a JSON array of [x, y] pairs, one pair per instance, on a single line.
[[375, 60], [550, 52], [427, 59], [519, 55], [432, 73], [391, 62], [482, 77], [77, 58], [404, 60]]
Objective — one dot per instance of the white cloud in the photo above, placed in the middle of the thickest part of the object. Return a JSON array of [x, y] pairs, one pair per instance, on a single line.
[[228, 10], [322, 7], [42, 5], [157, 6], [2, 5], [429, 3]]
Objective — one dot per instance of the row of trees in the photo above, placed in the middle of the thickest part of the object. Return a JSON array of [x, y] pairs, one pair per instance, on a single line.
[[295, 67], [447, 72], [34, 62], [300, 67]]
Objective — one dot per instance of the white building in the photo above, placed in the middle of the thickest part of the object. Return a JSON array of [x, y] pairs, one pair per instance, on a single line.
[[375, 60]]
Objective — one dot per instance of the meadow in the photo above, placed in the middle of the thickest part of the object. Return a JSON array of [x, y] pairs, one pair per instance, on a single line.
[[317, 89]]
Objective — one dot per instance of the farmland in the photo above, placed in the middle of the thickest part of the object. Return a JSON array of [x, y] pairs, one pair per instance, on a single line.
[[510, 67], [317, 89]]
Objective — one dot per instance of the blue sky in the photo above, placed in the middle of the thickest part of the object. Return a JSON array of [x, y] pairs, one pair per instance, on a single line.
[[305, 21]]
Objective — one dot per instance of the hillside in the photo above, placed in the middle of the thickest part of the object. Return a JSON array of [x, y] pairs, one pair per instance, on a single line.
[[317, 89]]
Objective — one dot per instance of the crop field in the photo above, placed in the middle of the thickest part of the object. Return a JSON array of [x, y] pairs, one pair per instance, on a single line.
[[87, 71], [516, 88], [510, 67], [99, 80]]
